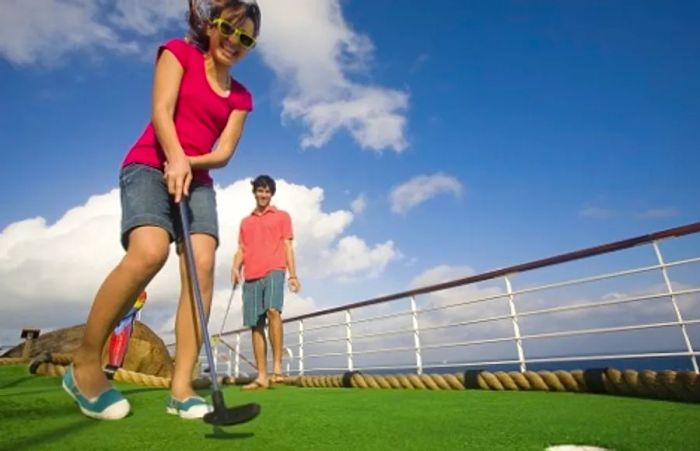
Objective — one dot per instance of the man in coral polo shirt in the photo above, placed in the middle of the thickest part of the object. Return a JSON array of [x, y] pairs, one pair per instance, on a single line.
[[265, 253]]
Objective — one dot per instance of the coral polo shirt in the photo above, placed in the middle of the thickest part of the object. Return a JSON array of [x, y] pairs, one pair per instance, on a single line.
[[262, 236]]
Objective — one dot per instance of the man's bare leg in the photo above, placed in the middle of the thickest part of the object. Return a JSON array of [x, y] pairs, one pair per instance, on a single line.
[[276, 340], [260, 352]]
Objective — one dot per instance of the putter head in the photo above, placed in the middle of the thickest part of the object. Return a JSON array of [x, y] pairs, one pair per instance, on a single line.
[[223, 416]]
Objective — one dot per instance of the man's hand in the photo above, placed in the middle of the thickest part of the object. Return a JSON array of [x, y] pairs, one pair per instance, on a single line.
[[236, 278], [293, 284]]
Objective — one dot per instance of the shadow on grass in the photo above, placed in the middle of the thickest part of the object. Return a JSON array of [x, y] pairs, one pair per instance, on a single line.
[[12, 412], [220, 434], [136, 391], [44, 438], [17, 382], [33, 392]]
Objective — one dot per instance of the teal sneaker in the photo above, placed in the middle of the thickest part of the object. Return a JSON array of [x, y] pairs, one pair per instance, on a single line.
[[110, 405], [192, 408]]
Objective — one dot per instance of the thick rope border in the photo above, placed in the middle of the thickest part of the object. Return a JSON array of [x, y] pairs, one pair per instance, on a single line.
[[47, 364], [669, 385]]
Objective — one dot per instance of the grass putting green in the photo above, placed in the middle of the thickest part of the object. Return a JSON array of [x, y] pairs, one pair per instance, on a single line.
[[35, 413]]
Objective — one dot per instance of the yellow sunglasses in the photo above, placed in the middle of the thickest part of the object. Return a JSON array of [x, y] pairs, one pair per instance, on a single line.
[[228, 29]]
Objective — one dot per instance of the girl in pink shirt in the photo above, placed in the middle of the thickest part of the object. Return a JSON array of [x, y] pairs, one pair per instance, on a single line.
[[197, 119]]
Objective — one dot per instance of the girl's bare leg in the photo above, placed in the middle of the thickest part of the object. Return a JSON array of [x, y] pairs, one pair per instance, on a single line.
[[147, 253], [188, 334]]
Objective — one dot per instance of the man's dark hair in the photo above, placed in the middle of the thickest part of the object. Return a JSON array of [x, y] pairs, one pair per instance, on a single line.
[[264, 181]]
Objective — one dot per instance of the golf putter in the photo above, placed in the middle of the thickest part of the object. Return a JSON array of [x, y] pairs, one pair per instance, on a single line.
[[223, 324], [222, 415], [228, 307]]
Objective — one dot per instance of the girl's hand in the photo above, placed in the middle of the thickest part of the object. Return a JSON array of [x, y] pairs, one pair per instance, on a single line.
[[178, 176]]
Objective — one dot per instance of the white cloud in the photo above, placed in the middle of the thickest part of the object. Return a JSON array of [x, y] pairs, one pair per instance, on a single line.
[[352, 256], [359, 204], [446, 273], [49, 273], [420, 189], [45, 31], [651, 311], [313, 50], [427, 321], [658, 213], [596, 213], [368, 114], [321, 249], [439, 274], [308, 44], [147, 18], [593, 212], [445, 309], [420, 62]]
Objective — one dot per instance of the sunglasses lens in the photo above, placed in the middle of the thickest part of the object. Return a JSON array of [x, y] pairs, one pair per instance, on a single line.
[[246, 41], [226, 28]]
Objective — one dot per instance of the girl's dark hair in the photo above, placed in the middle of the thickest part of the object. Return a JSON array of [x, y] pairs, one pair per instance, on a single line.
[[204, 11], [264, 181]]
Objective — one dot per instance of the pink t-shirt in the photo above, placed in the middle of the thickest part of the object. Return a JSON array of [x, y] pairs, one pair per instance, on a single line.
[[263, 236], [200, 113]]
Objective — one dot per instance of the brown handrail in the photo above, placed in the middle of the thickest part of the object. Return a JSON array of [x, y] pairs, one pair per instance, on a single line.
[[687, 229]]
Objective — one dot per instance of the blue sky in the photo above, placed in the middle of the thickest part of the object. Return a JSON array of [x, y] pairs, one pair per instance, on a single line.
[[545, 126]]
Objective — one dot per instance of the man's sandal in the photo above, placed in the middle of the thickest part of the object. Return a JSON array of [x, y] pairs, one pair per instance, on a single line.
[[277, 378], [255, 385]]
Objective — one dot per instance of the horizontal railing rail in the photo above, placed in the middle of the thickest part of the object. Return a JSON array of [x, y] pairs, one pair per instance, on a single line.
[[549, 261], [393, 341]]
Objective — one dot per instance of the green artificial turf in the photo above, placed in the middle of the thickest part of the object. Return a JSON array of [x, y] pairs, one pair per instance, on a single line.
[[35, 413]]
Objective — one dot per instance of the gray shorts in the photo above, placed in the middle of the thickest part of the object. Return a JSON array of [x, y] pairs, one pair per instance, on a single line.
[[145, 201], [260, 295]]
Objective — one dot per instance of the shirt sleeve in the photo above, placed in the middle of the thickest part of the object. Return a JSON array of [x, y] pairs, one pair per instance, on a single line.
[[180, 49], [240, 234], [241, 98], [287, 227]]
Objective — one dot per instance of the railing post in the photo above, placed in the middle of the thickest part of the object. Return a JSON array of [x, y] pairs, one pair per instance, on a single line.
[[215, 370], [237, 364], [229, 363], [290, 354], [416, 336], [301, 347], [679, 316], [516, 326], [348, 338]]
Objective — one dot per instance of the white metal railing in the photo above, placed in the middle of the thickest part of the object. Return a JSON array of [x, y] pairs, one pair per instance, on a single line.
[[509, 326]]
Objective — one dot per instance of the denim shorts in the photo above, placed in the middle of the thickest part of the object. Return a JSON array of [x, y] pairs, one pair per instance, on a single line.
[[145, 201], [262, 294]]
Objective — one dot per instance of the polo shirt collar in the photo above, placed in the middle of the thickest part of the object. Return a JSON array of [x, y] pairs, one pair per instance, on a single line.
[[269, 209]]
